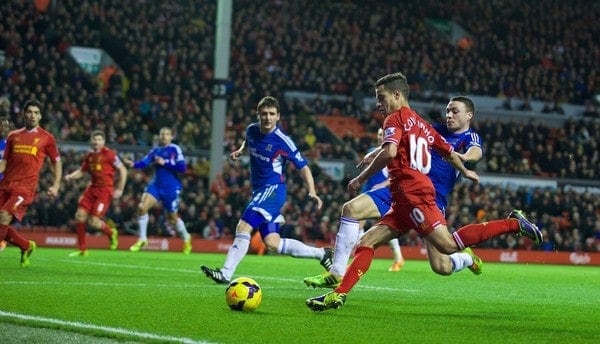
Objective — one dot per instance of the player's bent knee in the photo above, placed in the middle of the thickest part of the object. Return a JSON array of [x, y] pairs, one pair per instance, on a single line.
[[350, 209], [95, 223], [441, 269]]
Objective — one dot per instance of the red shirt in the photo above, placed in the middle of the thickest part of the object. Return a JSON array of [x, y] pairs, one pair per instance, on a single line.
[[101, 165], [408, 170], [25, 154]]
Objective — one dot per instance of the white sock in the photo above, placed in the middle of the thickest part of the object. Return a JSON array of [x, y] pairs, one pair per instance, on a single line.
[[460, 261], [180, 227], [346, 238], [236, 253], [361, 232], [298, 249], [395, 246], [143, 226]]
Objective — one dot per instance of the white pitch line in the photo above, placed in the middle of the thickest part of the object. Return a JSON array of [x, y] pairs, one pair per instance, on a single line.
[[129, 266], [79, 325]]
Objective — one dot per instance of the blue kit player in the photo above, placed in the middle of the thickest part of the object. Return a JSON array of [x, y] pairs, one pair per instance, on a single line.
[[168, 161], [375, 202], [269, 149]]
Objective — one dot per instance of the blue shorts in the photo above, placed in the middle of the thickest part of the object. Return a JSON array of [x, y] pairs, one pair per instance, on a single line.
[[169, 197], [265, 206], [382, 198]]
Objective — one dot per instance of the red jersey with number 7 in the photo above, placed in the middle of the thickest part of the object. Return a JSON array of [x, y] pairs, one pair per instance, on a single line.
[[25, 154], [408, 171]]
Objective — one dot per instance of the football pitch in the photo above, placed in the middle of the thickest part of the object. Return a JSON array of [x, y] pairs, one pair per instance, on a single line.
[[162, 297]]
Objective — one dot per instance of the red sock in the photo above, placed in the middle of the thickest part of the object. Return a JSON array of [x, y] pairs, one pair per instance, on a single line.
[[473, 234], [16, 239], [80, 230], [106, 230], [359, 266]]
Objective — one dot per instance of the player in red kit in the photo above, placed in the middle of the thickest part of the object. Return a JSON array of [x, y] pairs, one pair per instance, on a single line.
[[405, 151], [24, 155], [101, 163]]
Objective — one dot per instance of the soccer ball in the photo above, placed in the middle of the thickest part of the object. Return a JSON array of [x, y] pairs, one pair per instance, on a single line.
[[243, 294]]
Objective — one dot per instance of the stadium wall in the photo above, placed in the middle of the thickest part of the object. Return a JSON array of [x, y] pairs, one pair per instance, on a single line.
[[65, 240]]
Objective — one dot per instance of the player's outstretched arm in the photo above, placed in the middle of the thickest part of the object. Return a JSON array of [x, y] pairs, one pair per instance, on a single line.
[[384, 155], [456, 161], [78, 173], [369, 157]]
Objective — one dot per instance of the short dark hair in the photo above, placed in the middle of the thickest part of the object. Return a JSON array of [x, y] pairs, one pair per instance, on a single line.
[[395, 82], [268, 101], [465, 100], [32, 102], [97, 132]]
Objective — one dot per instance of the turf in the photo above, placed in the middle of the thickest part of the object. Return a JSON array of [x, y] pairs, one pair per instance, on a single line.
[[120, 296]]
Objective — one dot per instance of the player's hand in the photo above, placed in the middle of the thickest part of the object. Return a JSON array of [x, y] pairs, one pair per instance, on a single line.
[[53, 191], [354, 185], [472, 176], [234, 156], [159, 161], [117, 193], [368, 158], [317, 199], [127, 162]]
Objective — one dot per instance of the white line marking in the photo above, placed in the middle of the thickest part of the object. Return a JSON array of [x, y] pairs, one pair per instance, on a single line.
[[137, 267], [80, 325]]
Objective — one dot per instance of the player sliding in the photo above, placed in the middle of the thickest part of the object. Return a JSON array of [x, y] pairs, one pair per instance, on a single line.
[[406, 150], [377, 201]]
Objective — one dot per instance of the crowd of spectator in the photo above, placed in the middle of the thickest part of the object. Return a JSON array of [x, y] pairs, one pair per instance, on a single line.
[[569, 219], [165, 51]]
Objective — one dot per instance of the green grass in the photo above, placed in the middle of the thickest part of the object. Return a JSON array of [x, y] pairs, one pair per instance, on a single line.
[[119, 296]]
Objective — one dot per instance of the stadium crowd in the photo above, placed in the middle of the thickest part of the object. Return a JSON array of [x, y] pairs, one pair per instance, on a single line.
[[165, 50]]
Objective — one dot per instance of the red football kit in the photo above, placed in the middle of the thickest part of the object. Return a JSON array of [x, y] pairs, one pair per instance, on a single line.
[[413, 194], [24, 154], [101, 165]]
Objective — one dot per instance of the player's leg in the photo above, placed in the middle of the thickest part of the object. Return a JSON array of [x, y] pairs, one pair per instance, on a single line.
[[359, 208], [237, 251], [179, 225], [373, 238], [264, 207], [397, 252], [14, 238], [473, 234], [292, 247], [147, 202], [81, 217], [102, 199], [112, 234], [171, 204], [444, 264], [14, 206]]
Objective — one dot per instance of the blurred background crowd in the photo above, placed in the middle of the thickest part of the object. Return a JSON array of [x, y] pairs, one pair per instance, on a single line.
[[164, 51]]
